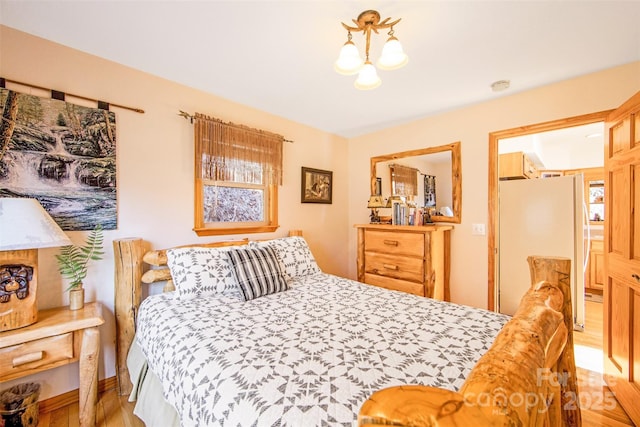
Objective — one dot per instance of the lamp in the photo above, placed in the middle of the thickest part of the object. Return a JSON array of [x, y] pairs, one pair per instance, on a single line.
[[349, 61], [394, 199], [24, 227], [375, 202]]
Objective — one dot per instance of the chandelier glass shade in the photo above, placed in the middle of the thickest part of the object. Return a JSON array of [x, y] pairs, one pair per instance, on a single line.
[[349, 61], [367, 77], [393, 57]]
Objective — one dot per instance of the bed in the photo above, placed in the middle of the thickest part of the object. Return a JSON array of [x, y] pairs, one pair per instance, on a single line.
[[255, 334]]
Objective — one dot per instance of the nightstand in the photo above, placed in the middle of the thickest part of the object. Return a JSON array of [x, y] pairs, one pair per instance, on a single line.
[[59, 337]]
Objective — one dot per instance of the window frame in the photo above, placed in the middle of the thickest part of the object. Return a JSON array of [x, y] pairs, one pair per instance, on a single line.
[[270, 223]]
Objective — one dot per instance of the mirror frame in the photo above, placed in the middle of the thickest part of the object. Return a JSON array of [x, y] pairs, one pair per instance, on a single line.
[[456, 175]]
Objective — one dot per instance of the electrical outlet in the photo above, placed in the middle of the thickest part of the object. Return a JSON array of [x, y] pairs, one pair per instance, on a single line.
[[478, 229]]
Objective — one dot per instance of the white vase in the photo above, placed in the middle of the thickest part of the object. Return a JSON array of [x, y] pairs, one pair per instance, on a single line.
[[76, 298]]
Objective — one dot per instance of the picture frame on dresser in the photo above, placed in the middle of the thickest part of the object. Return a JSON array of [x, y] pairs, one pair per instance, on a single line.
[[317, 186]]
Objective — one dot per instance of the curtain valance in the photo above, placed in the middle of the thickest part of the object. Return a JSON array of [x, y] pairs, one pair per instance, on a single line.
[[236, 153]]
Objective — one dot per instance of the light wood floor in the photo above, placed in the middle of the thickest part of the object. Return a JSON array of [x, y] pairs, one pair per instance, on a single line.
[[595, 396], [598, 406], [112, 411]]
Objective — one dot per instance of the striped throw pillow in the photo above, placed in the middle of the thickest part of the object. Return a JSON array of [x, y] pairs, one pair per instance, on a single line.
[[257, 272]]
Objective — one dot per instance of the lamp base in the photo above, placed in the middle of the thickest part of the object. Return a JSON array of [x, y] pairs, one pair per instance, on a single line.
[[18, 286]]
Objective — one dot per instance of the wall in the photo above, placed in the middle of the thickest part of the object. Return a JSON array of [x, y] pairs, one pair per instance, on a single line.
[[469, 259], [155, 171]]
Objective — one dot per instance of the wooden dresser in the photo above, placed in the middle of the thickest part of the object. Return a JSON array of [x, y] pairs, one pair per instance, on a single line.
[[414, 259]]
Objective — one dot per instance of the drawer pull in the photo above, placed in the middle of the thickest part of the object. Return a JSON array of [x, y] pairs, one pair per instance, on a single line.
[[27, 358], [391, 242], [390, 267]]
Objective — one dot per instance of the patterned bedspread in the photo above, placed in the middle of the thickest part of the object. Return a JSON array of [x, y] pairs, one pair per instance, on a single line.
[[309, 356]]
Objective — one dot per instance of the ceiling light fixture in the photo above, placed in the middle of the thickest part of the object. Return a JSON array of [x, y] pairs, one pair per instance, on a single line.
[[349, 61]]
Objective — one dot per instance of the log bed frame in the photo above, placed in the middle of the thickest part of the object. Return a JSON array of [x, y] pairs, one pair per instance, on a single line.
[[526, 378]]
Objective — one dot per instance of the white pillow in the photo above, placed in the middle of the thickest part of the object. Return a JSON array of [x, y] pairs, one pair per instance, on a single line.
[[200, 272], [294, 255]]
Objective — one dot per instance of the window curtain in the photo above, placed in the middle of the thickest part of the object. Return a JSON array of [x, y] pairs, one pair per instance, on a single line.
[[405, 180], [237, 153]]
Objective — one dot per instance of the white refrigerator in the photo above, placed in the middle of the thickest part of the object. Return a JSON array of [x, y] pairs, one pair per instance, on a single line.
[[544, 216]]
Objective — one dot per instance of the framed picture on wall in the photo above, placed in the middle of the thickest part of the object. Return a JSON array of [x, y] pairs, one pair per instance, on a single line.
[[63, 155], [317, 186]]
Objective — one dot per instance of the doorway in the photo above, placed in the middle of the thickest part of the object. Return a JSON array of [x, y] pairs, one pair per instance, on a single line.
[[552, 150], [494, 139], [557, 210]]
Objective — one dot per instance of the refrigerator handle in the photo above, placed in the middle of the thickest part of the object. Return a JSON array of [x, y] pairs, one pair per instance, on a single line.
[[585, 261]]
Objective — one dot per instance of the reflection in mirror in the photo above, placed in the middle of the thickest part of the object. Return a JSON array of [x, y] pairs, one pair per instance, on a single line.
[[427, 178]]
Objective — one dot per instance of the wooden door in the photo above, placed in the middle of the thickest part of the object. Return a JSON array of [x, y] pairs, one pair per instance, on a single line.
[[597, 268], [622, 256]]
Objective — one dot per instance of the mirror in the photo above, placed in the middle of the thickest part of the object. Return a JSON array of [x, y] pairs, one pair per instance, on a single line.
[[442, 162]]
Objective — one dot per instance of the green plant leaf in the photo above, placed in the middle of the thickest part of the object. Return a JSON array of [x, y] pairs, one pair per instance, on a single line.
[[73, 260]]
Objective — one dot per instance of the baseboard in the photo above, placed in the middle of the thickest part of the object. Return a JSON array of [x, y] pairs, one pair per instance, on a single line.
[[70, 397]]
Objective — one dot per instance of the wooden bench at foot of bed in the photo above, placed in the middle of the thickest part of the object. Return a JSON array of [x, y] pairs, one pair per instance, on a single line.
[[526, 378]]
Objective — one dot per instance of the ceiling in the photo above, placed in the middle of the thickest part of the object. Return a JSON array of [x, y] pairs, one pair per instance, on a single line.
[[278, 56]]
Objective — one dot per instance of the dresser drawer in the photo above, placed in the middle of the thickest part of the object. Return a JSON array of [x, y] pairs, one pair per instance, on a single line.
[[410, 244], [394, 266], [36, 353], [394, 284]]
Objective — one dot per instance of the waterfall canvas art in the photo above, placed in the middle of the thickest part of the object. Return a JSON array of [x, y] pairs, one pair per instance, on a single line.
[[63, 155]]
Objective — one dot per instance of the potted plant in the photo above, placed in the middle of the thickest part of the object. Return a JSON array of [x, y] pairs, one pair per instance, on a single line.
[[72, 263]]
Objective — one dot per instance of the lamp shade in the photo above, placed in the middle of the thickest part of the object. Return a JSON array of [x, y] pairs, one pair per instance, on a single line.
[[392, 199], [349, 61], [24, 224], [393, 56], [367, 78], [376, 202]]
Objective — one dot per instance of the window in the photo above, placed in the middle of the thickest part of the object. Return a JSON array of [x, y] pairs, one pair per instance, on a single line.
[[238, 170], [404, 180]]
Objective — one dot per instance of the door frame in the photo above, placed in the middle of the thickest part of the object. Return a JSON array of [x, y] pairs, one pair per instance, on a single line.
[[494, 137]]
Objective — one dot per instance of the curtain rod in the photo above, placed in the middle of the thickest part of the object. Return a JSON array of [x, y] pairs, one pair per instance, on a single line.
[[404, 166], [137, 110], [190, 117]]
